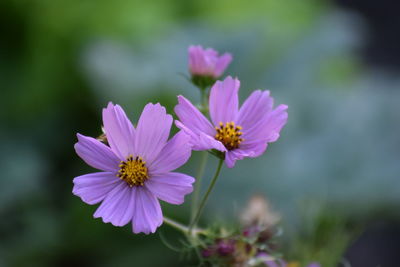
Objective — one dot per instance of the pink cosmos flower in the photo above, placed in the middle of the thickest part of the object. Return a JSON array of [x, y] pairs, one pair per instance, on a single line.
[[135, 168], [239, 133], [206, 62]]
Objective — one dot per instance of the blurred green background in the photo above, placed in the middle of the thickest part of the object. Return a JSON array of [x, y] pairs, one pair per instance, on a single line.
[[332, 174]]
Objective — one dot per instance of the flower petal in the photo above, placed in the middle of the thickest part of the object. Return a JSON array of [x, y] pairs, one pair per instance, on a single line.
[[119, 131], [209, 142], [201, 141], [268, 128], [192, 118], [252, 149], [152, 131], [224, 101], [94, 187], [232, 156], [147, 215], [249, 149], [170, 187], [210, 57], [174, 154], [96, 154], [222, 63], [196, 62], [256, 106], [118, 206]]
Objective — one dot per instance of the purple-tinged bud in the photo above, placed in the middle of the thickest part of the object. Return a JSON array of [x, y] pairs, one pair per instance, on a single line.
[[206, 65], [207, 252], [226, 247]]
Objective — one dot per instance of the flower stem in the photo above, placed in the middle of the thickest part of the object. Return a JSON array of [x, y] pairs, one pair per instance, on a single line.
[[204, 100], [184, 229], [204, 200], [197, 189]]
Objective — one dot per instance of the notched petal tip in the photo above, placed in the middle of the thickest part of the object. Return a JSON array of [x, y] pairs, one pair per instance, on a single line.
[[119, 129], [110, 105], [182, 99], [147, 216], [230, 79]]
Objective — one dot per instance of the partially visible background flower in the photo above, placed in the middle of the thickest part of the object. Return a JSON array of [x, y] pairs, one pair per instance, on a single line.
[[206, 65], [239, 133], [136, 168], [258, 212], [269, 260]]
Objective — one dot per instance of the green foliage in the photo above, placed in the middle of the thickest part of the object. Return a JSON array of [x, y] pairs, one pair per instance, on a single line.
[[323, 238]]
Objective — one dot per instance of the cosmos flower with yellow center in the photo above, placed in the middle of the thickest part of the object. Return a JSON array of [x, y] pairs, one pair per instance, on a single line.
[[238, 133], [136, 168]]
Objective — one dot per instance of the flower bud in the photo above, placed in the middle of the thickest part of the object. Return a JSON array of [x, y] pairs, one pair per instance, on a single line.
[[226, 247], [206, 66]]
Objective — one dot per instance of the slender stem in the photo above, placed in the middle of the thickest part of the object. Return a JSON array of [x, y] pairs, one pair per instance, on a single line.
[[176, 225], [203, 100], [204, 200], [197, 189]]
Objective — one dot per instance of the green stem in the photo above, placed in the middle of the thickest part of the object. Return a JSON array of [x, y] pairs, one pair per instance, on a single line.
[[176, 225], [204, 200], [197, 189], [204, 100]]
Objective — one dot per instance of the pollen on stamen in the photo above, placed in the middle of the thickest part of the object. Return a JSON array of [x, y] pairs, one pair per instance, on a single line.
[[229, 135], [133, 171]]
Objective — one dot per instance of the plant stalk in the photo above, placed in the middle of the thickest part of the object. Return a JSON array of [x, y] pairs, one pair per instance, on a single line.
[[197, 189], [205, 198]]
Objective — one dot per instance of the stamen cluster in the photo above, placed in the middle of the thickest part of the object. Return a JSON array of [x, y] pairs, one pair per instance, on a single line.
[[133, 171], [229, 135]]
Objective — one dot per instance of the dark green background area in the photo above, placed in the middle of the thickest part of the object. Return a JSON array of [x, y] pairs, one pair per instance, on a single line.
[[334, 170]]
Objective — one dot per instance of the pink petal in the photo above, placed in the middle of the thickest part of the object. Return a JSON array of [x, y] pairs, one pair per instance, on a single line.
[[119, 130], [152, 131], [118, 206], [252, 149], [171, 187], [192, 118], [222, 64], [224, 100], [195, 59], [232, 156], [96, 154], [201, 141], [93, 188], [147, 215], [174, 154], [267, 129], [210, 57], [256, 106], [209, 142], [249, 149], [210, 53]]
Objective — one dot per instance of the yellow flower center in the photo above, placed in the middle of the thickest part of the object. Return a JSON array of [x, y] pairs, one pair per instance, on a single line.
[[133, 171], [229, 135]]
